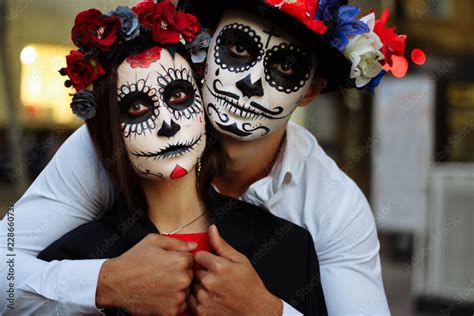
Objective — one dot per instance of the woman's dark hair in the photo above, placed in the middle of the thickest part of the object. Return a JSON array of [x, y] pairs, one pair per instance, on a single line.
[[106, 134]]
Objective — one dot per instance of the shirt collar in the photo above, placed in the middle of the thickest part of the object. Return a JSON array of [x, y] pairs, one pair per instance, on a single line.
[[282, 172]]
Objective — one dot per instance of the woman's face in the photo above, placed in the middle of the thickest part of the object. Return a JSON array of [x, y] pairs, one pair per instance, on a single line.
[[161, 113]]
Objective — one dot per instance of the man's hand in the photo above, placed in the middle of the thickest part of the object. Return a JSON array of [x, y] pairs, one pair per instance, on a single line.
[[153, 277], [227, 284]]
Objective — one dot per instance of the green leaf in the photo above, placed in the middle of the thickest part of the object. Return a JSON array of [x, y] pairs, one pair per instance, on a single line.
[[172, 50]]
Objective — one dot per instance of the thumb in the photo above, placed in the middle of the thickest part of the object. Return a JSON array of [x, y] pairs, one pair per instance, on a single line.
[[172, 244], [221, 247]]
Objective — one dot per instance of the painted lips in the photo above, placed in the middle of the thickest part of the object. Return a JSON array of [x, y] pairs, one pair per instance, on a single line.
[[171, 151]]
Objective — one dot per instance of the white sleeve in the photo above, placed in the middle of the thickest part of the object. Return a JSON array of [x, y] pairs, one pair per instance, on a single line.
[[351, 273], [72, 190], [289, 310]]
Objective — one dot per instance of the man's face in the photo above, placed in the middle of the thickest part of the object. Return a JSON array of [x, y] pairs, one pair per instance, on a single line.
[[256, 76], [161, 114]]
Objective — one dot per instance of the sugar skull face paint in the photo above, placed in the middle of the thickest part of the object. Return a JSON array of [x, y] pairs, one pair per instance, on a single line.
[[256, 76], [162, 115]]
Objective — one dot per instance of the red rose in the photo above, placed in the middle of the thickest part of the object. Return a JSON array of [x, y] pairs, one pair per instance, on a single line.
[[81, 73], [164, 30], [167, 24], [145, 11], [187, 25], [393, 44], [92, 29]]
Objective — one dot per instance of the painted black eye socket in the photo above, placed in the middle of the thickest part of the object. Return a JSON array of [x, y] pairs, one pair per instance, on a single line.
[[238, 48], [136, 107], [179, 95], [287, 67]]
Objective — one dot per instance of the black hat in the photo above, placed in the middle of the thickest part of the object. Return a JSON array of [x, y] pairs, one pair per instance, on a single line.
[[326, 27], [332, 64]]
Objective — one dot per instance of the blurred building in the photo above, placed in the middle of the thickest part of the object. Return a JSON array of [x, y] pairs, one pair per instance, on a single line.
[[411, 149], [35, 117]]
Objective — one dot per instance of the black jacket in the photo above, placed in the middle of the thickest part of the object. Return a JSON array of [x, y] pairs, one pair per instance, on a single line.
[[282, 253]]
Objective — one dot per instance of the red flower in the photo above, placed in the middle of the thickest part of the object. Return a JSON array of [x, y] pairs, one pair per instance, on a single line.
[[187, 25], [303, 11], [167, 24], [92, 29], [81, 73], [393, 44], [145, 11], [164, 30], [146, 58], [317, 26]]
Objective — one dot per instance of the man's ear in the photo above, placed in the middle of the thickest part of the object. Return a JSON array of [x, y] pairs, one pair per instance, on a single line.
[[317, 85]]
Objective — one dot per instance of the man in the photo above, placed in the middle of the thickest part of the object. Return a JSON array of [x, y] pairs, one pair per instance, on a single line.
[[257, 74]]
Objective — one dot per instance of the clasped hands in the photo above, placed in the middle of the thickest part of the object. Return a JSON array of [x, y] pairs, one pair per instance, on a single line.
[[157, 277]]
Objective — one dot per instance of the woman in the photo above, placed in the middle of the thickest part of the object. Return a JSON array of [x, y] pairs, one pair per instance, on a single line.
[[146, 119]]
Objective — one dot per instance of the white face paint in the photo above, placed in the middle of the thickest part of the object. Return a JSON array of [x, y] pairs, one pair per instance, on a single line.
[[257, 74], [162, 116]]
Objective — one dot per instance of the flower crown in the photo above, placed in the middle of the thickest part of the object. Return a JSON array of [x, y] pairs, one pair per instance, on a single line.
[[98, 36], [368, 44]]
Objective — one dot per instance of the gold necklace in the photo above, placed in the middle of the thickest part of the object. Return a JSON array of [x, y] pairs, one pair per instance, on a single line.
[[182, 227]]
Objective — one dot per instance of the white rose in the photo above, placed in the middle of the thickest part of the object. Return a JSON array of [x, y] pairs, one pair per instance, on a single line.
[[364, 52]]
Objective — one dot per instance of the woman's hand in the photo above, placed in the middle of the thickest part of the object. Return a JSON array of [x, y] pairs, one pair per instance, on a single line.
[[228, 284], [153, 277]]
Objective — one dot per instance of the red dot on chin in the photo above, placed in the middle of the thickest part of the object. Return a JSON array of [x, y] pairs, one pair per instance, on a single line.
[[178, 172]]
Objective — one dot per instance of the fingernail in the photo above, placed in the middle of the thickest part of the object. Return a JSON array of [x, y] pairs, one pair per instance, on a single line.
[[192, 244]]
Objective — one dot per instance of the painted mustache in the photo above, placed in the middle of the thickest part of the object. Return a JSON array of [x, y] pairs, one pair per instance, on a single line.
[[170, 151], [232, 100]]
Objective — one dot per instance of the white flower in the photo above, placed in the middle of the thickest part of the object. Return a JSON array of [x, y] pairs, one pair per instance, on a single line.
[[364, 52]]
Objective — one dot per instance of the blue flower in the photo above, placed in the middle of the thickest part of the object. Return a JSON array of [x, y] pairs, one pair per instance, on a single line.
[[198, 47], [129, 20], [347, 26], [374, 83], [327, 10], [341, 21]]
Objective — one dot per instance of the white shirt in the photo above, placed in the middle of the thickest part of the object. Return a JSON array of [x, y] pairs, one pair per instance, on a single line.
[[305, 186]]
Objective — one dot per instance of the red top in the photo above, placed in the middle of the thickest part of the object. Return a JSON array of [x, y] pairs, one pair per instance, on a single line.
[[202, 239]]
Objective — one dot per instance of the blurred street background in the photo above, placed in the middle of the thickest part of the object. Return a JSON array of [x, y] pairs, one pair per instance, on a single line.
[[410, 147]]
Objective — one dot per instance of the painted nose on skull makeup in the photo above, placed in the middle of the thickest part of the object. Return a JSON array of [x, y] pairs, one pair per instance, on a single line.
[[257, 74], [250, 89], [169, 130]]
